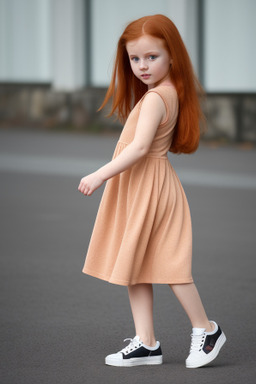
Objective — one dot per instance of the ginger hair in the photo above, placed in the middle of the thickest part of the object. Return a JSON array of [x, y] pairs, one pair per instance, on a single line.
[[126, 90]]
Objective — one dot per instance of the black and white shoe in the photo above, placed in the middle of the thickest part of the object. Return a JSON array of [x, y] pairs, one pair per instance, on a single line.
[[136, 353], [205, 346]]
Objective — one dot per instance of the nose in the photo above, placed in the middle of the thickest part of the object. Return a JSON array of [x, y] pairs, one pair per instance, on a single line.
[[143, 64]]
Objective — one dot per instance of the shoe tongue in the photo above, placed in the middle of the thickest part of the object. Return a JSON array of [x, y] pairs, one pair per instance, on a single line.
[[198, 331], [137, 338]]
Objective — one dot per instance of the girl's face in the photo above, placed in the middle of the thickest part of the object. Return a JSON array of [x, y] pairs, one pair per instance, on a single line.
[[150, 60]]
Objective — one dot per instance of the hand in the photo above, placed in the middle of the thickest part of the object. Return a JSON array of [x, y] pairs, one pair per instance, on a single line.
[[90, 183]]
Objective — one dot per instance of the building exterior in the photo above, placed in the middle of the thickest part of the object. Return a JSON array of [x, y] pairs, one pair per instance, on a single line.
[[56, 57]]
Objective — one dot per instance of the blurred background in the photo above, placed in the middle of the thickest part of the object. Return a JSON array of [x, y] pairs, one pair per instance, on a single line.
[[56, 60], [56, 324]]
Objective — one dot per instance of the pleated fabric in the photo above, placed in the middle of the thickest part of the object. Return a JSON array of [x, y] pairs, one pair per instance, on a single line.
[[142, 232]]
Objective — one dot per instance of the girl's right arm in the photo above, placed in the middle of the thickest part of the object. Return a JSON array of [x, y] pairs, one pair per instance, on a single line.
[[151, 114]]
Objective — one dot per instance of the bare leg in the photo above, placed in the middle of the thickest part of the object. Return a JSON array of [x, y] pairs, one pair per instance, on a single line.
[[141, 300], [188, 296]]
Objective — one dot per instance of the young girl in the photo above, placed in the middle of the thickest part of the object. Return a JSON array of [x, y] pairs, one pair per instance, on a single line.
[[142, 234]]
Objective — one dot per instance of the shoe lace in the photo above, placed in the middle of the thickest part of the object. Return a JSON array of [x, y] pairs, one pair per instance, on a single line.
[[197, 342], [134, 344]]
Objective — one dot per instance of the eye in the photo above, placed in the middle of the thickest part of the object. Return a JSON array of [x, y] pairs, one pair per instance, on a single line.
[[135, 59], [152, 57]]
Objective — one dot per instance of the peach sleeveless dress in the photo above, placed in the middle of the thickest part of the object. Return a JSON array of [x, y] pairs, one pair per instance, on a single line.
[[142, 233]]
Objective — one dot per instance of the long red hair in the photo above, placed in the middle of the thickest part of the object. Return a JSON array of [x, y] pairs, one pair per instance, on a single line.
[[126, 90]]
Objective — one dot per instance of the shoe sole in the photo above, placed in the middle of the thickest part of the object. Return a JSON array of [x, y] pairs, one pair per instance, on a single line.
[[151, 360], [212, 355]]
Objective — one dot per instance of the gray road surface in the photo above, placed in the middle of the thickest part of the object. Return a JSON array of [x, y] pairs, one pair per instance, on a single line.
[[57, 324]]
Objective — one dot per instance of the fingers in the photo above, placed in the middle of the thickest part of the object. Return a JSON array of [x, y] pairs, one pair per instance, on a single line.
[[83, 188], [85, 191], [89, 184]]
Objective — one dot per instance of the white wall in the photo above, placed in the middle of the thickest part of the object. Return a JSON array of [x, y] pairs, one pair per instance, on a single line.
[[68, 44], [230, 49], [25, 40], [43, 41]]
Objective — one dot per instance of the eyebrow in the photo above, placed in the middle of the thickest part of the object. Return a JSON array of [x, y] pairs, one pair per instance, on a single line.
[[147, 53]]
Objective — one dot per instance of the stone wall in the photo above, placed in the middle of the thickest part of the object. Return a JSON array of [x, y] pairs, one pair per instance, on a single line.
[[230, 117]]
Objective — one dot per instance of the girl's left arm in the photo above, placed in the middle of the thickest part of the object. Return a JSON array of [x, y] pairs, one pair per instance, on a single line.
[[151, 114]]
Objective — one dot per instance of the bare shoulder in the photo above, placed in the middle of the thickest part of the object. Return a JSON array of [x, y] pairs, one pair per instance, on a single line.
[[152, 109], [153, 101], [153, 94], [169, 96]]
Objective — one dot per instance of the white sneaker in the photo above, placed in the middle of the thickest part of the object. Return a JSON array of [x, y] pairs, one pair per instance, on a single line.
[[205, 346], [136, 353]]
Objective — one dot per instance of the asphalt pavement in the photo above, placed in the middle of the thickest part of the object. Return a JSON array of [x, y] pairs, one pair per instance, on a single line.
[[58, 324]]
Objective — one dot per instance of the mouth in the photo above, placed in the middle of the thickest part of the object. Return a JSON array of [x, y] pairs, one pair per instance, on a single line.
[[145, 76]]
